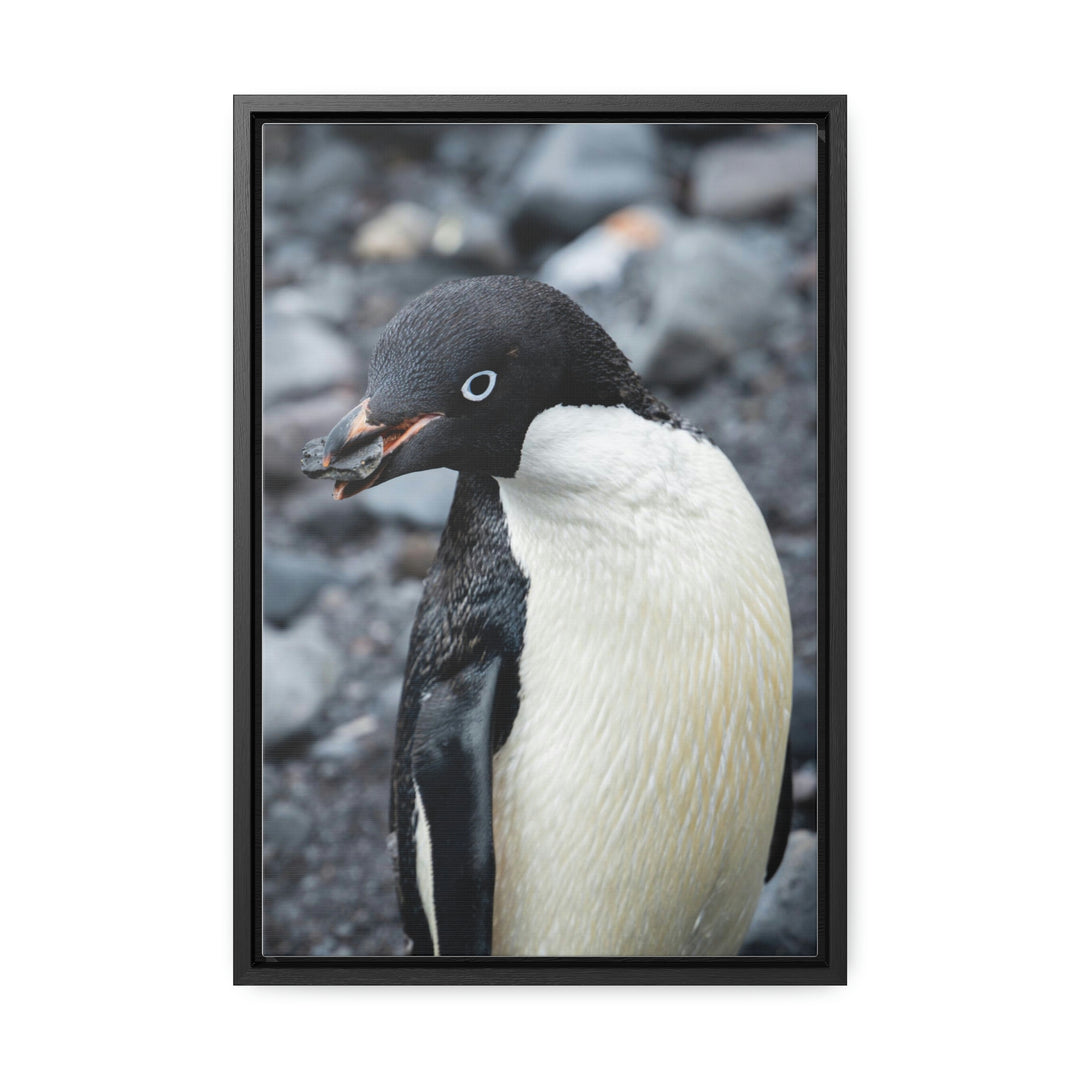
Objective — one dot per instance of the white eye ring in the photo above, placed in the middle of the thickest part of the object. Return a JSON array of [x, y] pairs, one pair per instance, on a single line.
[[471, 394]]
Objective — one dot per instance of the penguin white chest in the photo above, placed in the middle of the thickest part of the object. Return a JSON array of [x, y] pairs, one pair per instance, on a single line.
[[636, 794]]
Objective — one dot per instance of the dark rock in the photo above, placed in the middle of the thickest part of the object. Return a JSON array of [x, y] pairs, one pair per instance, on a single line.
[[486, 153], [752, 178], [278, 187], [804, 274], [302, 356], [474, 237], [289, 260], [274, 228], [277, 142], [804, 791], [415, 183], [681, 298], [314, 512], [416, 555], [289, 426], [350, 463], [328, 214], [385, 287], [287, 827], [291, 582], [321, 193], [575, 174], [682, 359], [421, 499], [328, 292], [711, 298], [300, 668], [765, 241], [804, 714], [696, 134], [398, 141], [785, 922], [346, 740], [328, 166], [752, 367], [801, 223]]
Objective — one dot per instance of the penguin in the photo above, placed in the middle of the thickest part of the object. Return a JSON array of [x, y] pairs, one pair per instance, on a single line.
[[591, 749]]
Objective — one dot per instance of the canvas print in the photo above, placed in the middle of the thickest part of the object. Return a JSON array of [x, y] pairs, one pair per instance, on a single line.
[[539, 564]]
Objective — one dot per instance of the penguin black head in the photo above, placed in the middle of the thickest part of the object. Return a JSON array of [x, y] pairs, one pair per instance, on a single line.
[[460, 373]]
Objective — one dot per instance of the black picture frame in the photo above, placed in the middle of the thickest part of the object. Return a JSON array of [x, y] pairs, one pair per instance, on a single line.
[[250, 112]]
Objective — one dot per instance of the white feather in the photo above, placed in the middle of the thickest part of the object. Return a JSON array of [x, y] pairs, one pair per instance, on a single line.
[[425, 869], [634, 800]]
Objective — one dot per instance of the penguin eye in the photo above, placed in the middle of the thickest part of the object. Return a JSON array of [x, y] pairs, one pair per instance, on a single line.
[[477, 387]]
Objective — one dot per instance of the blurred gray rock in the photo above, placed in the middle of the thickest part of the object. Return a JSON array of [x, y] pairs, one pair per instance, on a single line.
[[416, 555], [752, 178], [329, 165], [804, 713], [289, 259], [328, 214], [301, 356], [472, 235], [682, 298], [278, 188], [421, 498], [274, 228], [346, 740], [286, 826], [328, 292], [288, 426], [598, 258], [402, 231], [312, 510], [801, 224], [291, 581], [751, 367], [388, 701], [488, 152], [804, 273], [804, 784], [785, 922], [385, 287], [575, 174], [301, 666], [325, 193], [765, 241], [711, 298]]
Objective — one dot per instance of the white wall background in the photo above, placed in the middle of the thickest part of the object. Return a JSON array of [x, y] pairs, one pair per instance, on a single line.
[[963, 383]]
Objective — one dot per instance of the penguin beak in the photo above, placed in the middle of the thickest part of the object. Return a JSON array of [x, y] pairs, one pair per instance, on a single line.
[[354, 452]]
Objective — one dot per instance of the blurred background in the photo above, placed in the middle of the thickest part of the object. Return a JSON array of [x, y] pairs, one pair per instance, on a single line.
[[694, 245]]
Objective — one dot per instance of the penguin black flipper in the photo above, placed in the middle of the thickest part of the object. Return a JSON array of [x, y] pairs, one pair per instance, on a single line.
[[783, 818], [451, 773], [458, 705]]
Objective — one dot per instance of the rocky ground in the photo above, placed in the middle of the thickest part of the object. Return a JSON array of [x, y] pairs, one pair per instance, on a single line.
[[694, 245]]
